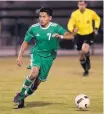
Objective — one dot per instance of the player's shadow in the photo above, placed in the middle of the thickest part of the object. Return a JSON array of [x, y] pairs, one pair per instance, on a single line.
[[82, 110], [38, 104]]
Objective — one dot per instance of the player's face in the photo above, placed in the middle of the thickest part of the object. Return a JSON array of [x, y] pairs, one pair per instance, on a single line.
[[82, 6], [44, 19]]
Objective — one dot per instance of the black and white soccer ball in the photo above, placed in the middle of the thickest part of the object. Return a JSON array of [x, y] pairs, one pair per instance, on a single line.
[[82, 101]]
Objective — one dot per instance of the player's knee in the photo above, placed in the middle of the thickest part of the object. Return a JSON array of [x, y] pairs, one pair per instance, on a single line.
[[85, 48], [34, 73]]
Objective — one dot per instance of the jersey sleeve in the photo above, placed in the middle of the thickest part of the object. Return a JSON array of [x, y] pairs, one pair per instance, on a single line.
[[71, 23], [60, 30], [29, 35], [96, 18]]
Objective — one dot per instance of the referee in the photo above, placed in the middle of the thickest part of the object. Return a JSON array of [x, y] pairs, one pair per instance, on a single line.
[[81, 23]]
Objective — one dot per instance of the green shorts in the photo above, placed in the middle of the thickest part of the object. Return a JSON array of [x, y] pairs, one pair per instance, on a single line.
[[44, 64]]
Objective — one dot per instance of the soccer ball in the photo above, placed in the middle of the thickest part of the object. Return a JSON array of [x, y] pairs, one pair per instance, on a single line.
[[82, 101]]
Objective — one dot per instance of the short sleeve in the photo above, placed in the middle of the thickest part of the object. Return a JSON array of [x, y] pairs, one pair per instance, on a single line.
[[29, 35], [96, 18], [60, 30], [71, 23]]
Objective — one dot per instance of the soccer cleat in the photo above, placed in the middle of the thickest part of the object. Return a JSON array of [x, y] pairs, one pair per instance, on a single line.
[[28, 67], [21, 104], [85, 73], [17, 98]]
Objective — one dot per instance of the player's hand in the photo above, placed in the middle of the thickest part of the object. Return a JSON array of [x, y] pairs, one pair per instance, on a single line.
[[56, 35], [96, 31], [19, 61], [75, 30]]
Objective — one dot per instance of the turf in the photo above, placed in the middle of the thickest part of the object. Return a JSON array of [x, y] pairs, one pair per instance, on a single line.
[[57, 94]]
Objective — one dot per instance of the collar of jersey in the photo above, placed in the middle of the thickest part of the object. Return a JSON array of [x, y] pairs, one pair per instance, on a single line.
[[47, 26], [84, 11]]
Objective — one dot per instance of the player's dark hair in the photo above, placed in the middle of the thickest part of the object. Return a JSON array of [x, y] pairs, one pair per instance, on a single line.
[[83, 1], [47, 10]]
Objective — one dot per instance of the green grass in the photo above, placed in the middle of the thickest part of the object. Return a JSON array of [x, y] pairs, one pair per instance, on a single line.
[[57, 94]]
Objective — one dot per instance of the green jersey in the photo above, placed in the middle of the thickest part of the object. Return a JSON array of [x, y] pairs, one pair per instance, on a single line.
[[46, 44]]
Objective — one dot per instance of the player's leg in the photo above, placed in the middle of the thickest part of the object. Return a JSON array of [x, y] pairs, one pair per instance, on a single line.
[[82, 59], [45, 67], [35, 63], [88, 60], [46, 64], [89, 40], [79, 40], [33, 87], [85, 49], [19, 98], [32, 77]]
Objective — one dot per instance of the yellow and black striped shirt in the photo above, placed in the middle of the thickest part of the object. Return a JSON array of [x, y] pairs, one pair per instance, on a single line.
[[83, 21]]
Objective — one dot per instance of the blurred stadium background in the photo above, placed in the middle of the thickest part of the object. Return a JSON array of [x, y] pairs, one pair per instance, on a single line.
[[17, 16]]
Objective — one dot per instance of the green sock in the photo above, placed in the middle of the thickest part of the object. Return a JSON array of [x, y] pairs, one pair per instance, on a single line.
[[26, 84], [31, 89], [28, 91]]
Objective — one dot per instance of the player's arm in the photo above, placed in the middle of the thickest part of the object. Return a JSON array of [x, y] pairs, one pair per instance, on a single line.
[[66, 35], [71, 24], [63, 34], [22, 50], [24, 45], [96, 18]]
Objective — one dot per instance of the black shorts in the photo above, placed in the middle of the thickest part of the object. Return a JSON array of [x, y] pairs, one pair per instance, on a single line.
[[80, 39]]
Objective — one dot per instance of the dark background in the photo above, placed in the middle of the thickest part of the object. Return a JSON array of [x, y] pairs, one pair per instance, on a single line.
[[17, 16]]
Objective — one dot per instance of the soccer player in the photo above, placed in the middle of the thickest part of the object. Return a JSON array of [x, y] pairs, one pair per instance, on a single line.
[[47, 35], [81, 23]]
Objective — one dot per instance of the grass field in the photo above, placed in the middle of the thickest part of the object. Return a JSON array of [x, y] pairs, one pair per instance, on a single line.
[[56, 95]]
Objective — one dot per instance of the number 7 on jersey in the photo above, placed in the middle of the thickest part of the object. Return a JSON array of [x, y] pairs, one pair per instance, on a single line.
[[49, 36]]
